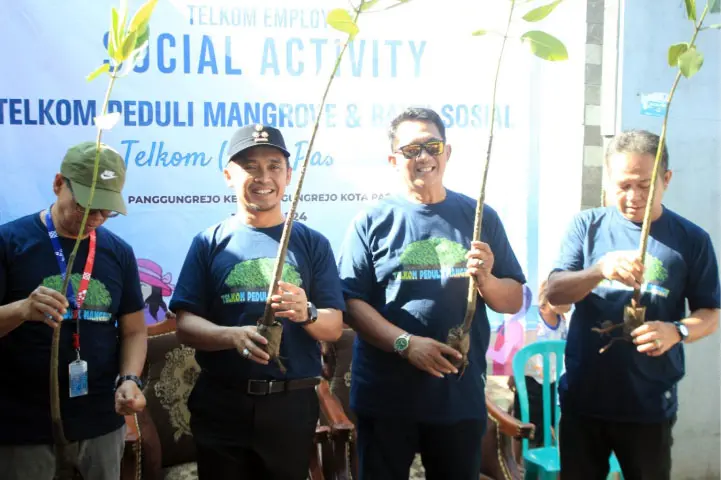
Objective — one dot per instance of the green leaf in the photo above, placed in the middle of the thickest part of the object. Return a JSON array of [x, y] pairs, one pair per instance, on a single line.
[[714, 6], [142, 16], [121, 24], [341, 20], [690, 62], [675, 51], [104, 68], [541, 12], [716, 26], [143, 37], [113, 36], [128, 45], [479, 33], [545, 46], [691, 9], [367, 5]]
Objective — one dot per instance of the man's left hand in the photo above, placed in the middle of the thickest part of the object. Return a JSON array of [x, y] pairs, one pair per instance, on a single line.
[[290, 302], [480, 261], [129, 399], [655, 338]]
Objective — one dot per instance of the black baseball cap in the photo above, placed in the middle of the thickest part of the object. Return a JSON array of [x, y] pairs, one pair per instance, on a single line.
[[256, 135]]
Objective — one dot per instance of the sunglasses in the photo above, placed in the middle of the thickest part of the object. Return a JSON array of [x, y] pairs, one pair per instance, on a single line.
[[81, 210], [433, 147]]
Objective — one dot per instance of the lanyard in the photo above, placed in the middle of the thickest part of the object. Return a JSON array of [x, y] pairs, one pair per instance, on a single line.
[[84, 282]]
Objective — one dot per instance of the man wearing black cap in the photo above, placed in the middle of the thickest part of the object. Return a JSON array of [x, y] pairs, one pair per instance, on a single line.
[[103, 337], [250, 420]]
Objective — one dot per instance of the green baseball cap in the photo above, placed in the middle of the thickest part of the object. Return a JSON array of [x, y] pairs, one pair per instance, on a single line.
[[78, 166]]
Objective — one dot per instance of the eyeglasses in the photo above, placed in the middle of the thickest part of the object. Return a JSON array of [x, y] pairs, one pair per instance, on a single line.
[[433, 147], [81, 210]]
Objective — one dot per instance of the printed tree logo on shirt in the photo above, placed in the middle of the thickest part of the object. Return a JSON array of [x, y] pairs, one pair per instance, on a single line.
[[257, 273], [97, 300], [438, 252], [432, 259], [249, 280], [97, 296], [655, 271]]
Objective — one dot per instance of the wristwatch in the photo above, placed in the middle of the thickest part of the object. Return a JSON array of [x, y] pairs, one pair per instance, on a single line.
[[312, 315], [682, 330], [123, 378], [401, 344]]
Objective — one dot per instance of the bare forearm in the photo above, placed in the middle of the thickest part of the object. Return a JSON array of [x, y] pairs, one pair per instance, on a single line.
[[701, 323], [371, 325], [133, 349], [10, 317], [201, 334], [328, 327], [565, 288], [502, 295]]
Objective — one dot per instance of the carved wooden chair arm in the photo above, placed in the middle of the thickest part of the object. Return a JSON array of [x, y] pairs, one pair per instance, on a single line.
[[508, 424], [130, 466]]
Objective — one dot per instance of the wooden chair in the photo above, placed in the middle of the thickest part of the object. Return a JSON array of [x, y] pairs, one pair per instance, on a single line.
[[159, 445], [498, 459]]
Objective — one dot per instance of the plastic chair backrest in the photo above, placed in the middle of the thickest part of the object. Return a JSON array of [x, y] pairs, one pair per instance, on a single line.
[[545, 348]]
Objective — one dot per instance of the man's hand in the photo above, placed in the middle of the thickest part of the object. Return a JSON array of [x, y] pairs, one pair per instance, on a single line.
[[290, 302], [655, 338], [480, 261], [246, 340], [45, 305], [625, 267], [427, 354], [129, 399]]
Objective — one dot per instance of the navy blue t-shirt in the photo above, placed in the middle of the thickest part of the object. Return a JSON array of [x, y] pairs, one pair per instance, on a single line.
[[623, 384], [407, 261], [225, 280], [27, 260]]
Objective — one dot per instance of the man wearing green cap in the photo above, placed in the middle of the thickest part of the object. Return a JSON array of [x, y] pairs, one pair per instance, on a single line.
[[103, 338]]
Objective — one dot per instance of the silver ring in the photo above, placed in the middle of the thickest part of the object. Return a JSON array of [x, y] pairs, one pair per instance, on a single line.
[[480, 262], [246, 353]]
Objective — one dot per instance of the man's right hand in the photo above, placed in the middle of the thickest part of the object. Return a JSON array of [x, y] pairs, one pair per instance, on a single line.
[[625, 267], [246, 340], [44, 305], [427, 354]]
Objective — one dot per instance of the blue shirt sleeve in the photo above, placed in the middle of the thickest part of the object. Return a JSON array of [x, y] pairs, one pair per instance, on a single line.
[[570, 257], [131, 299], [702, 289], [190, 292], [325, 287], [505, 263], [355, 264]]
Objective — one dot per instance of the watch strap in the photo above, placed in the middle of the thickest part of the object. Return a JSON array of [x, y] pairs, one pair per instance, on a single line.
[[124, 378]]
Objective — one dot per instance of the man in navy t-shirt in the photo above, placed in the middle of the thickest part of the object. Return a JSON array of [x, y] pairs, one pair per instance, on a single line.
[[106, 330], [250, 420], [405, 267], [625, 400]]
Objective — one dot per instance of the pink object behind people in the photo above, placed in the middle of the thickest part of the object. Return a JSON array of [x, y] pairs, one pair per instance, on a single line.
[[152, 274], [509, 338]]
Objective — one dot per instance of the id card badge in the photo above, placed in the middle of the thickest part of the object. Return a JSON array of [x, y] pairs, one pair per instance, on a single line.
[[78, 378]]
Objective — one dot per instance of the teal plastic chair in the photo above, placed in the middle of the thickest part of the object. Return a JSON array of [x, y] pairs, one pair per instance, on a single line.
[[544, 462]]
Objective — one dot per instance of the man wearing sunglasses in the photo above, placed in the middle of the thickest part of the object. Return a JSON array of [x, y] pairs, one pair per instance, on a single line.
[[103, 336], [405, 267]]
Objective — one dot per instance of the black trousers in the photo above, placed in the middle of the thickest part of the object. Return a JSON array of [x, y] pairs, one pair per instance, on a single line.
[[273, 441], [386, 448], [643, 450]]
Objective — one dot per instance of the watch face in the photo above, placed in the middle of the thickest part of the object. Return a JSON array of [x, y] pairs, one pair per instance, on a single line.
[[401, 343], [683, 329]]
